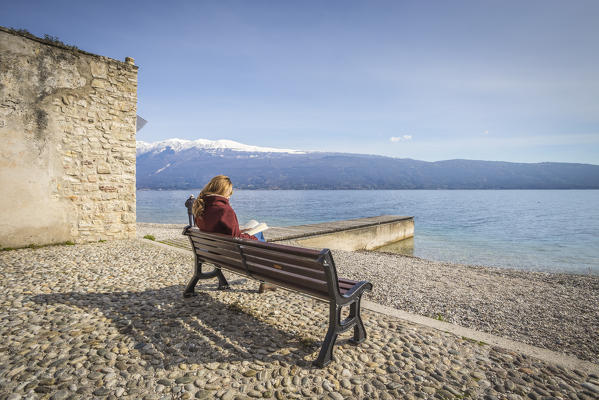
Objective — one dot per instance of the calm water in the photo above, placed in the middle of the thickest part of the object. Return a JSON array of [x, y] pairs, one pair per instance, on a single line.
[[544, 230]]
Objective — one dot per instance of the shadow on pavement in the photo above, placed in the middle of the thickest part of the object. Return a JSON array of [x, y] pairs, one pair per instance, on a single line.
[[168, 329]]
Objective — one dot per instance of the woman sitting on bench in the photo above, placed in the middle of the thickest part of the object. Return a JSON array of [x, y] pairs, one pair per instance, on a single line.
[[213, 213]]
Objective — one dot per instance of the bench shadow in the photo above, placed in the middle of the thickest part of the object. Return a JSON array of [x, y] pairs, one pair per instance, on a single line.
[[169, 330]]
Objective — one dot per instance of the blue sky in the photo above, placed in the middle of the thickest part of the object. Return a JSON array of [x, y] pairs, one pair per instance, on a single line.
[[435, 80]]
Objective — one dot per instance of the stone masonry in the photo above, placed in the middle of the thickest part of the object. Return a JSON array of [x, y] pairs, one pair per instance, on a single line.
[[67, 128]]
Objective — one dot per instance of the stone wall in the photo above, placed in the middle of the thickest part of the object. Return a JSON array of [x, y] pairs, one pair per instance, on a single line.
[[67, 134]]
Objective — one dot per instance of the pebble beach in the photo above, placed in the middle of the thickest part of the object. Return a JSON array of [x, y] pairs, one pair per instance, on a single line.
[[558, 312], [107, 320]]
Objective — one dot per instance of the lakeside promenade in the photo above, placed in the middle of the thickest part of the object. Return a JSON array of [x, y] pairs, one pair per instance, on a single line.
[[555, 311], [108, 320]]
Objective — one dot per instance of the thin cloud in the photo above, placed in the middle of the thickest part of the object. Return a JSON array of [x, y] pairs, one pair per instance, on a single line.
[[396, 139], [486, 132]]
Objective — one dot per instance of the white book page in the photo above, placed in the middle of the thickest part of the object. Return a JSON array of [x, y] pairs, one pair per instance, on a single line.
[[259, 228]]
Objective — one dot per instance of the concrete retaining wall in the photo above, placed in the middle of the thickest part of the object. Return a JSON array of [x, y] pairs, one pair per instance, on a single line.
[[351, 234], [366, 238]]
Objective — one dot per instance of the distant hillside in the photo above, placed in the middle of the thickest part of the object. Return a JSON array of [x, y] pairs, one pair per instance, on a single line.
[[181, 164]]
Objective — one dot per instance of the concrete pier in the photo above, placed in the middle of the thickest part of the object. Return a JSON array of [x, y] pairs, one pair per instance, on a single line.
[[350, 234], [353, 234]]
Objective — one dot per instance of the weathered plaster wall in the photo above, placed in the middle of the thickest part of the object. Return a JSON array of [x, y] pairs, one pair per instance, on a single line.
[[67, 137]]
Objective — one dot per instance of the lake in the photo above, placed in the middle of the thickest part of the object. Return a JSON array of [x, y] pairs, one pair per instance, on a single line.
[[542, 230]]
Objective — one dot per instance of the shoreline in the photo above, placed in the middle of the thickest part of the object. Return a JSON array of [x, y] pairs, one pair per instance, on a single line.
[[556, 311], [173, 231]]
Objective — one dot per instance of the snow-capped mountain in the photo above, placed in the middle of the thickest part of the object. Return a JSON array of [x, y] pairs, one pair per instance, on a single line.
[[178, 145], [186, 164]]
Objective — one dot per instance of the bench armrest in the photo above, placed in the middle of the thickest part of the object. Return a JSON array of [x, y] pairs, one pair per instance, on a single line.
[[355, 292]]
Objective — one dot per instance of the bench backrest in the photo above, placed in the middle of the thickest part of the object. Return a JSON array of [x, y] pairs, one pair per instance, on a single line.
[[304, 270]]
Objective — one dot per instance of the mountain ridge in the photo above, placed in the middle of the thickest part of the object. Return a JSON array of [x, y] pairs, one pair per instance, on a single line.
[[183, 164], [184, 144]]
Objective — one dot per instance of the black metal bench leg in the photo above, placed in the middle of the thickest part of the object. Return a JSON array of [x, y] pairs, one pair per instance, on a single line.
[[198, 274], [326, 351], [359, 330], [189, 289], [222, 281]]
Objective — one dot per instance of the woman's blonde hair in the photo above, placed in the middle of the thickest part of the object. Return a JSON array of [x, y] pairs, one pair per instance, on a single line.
[[219, 185]]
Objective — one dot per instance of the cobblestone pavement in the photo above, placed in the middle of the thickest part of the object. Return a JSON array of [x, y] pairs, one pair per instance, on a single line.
[[108, 320]]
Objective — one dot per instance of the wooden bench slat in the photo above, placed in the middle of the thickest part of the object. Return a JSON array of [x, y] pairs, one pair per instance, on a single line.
[[223, 262], [290, 277], [283, 248], [278, 266], [344, 285], [298, 289], [215, 253], [204, 249], [216, 243], [308, 262]]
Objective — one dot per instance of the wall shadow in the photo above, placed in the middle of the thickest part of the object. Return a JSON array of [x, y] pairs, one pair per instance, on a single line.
[[168, 329]]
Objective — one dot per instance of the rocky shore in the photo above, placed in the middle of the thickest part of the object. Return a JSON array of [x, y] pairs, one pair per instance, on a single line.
[[107, 320], [559, 312]]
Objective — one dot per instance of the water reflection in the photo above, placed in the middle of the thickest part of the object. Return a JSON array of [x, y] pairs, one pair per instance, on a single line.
[[405, 247]]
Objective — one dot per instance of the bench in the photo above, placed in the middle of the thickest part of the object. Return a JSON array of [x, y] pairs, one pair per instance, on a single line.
[[310, 272]]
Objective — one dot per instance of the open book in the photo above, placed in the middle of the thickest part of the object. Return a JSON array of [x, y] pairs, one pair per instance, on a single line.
[[253, 227]]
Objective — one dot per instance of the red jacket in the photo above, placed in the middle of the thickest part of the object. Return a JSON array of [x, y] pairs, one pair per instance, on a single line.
[[219, 217]]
